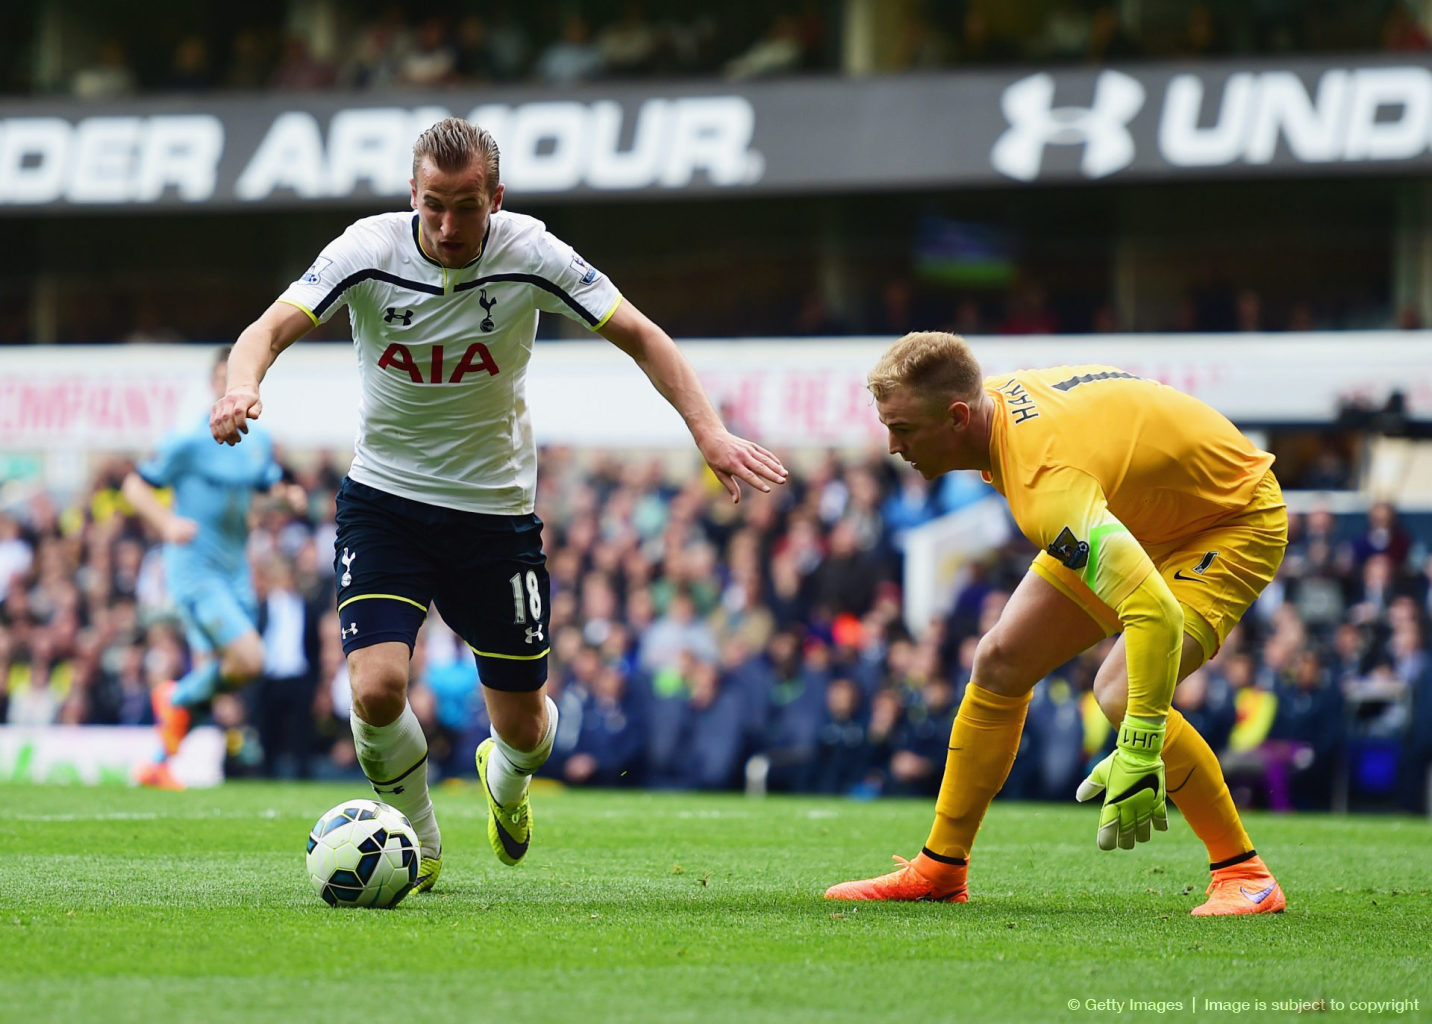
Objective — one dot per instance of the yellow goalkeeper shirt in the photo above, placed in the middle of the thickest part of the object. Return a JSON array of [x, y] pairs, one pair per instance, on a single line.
[[1097, 463]]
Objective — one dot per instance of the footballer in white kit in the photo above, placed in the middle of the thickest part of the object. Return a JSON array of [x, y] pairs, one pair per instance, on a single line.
[[438, 506], [443, 353]]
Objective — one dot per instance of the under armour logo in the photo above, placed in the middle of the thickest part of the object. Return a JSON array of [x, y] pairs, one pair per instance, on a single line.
[[406, 315], [347, 560], [1034, 122], [349, 630], [534, 634], [487, 325]]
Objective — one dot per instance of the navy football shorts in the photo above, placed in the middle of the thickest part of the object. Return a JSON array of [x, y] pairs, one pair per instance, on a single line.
[[486, 574]]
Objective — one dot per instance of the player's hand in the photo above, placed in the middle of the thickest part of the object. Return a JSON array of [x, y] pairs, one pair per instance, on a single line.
[[178, 530], [229, 418], [734, 459], [1132, 781]]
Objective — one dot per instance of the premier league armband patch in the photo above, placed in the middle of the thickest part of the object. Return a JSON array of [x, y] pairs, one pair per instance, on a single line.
[[314, 274], [1070, 550], [585, 269]]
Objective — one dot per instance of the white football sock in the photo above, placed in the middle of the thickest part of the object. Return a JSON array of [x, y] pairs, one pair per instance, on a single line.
[[395, 759], [509, 769]]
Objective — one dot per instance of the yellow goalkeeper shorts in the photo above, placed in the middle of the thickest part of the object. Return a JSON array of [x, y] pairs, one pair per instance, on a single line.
[[1216, 574]]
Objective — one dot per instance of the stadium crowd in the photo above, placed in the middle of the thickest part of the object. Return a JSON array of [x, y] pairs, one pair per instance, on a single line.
[[701, 645], [288, 46]]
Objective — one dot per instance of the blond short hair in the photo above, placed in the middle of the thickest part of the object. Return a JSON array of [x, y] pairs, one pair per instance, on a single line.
[[452, 144], [934, 364]]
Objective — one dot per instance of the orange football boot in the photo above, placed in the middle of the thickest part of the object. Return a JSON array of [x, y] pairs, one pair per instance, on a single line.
[[922, 879], [156, 775], [170, 719], [1244, 888]]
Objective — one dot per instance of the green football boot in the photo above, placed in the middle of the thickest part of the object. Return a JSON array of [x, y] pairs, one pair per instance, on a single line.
[[509, 829], [428, 870]]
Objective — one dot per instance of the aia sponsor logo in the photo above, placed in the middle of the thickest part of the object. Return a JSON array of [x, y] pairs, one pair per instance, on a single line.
[[436, 368]]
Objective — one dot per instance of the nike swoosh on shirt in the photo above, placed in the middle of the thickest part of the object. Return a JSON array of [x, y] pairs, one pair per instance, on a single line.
[[1188, 579]]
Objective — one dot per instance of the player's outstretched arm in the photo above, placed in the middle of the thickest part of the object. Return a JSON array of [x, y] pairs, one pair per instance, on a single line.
[[172, 528], [733, 459], [1080, 530], [253, 353], [1132, 777]]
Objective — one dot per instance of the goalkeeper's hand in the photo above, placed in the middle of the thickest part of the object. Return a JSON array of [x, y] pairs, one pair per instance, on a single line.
[[1132, 781]]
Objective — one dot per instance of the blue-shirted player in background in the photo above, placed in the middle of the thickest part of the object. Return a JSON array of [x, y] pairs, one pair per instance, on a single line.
[[205, 533]]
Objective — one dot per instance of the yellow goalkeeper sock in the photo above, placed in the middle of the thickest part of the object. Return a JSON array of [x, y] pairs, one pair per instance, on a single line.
[[1195, 783], [983, 742]]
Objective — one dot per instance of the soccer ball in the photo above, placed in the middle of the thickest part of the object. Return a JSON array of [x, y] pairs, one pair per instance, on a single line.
[[363, 854]]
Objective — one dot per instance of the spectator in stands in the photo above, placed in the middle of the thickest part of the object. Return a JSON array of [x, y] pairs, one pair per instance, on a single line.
[[675, 634], [1029, 311], [978, 44], [815, 317], [473, 46], [842, 748], [795, 709], [191, 69], [895, 308], [1402, 32], [713, 740], [1383, 535], [510, 46], [16, 553], [282, 701], [1415, 772], [848, 576], [1255, 706], [374, 59], [1248, 311], [630, 45], [1054, 729], [572, 57], [1065, 35], [919, 46], [610, 748], [1203, 34], [1421, 587], [121, 694], [1375, 590], [1109, 40], [781, 50], [109, 77], [251, 60], [1203, 698], [921, 738], [1305, 743], [300, 70], [432, 61]]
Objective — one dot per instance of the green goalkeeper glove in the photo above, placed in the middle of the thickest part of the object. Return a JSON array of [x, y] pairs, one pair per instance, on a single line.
[[1132, 781]]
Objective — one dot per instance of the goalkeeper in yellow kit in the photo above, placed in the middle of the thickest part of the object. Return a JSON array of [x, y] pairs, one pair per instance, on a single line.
[[1155, 518]]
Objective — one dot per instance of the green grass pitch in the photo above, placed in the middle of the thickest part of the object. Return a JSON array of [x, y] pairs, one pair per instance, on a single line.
[[121, 905]]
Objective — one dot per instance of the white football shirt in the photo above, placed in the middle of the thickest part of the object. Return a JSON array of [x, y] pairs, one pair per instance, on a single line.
[[443, 353]]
